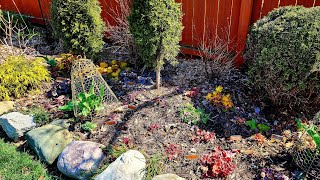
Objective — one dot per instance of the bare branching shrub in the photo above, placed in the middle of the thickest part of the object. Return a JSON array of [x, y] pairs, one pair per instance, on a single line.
[[14, 34], [217, 55], [118, 30]]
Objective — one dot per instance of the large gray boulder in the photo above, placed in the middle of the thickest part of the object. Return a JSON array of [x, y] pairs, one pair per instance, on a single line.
[[129, 166], [168, 177], [80, 159], [16, 124], [49, 141], [6, 106]]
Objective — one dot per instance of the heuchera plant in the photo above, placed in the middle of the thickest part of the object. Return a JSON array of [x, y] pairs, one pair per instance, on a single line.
[[172, 151], [220, 99], [203, 136], [217, 163]]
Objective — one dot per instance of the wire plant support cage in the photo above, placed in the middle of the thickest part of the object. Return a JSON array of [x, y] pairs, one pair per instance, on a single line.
[[306, 155], [86, 80]]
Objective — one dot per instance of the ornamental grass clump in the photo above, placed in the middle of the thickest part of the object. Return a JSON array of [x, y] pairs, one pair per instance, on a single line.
[[283, 56], [156, 27], [20, 76], [79, 24]]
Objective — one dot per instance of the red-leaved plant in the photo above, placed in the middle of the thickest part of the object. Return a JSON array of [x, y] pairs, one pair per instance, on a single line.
[[173, 151], [203, 136], [217, 163]]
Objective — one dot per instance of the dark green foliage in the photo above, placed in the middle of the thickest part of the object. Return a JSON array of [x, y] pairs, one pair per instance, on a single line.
[[156, 27], [51, 61], [79, 24], [283, 54], [253, 126]]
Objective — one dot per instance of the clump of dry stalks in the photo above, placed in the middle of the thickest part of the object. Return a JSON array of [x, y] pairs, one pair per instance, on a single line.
[[119, 32], [217, 54], [14, 35]]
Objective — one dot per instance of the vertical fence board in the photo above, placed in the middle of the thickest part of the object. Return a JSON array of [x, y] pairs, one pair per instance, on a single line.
[[306, 3], [235, 10], [268, 6], [187, 8], [257, 7], [200, 17], [287, 2]]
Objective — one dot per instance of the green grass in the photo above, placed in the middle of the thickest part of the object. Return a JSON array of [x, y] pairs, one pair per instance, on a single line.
[[155, 166], [19, 165]]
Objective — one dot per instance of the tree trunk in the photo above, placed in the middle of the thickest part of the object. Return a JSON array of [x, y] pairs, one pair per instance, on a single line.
[[158, 66], [158, 74]]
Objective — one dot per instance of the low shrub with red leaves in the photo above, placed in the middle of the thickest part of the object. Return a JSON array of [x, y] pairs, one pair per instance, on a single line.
[[217, 163]]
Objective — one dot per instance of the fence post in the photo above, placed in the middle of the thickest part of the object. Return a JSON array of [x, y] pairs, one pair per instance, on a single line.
[[243, 27]]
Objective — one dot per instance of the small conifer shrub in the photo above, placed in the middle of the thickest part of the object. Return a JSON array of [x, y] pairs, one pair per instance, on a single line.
[[79, 24], [156, 27]]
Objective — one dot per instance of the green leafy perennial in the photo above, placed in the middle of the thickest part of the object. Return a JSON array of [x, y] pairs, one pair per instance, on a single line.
[[87, 103], [79, 24]]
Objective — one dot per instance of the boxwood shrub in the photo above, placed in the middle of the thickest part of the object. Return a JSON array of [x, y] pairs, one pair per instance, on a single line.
[[283, 56]]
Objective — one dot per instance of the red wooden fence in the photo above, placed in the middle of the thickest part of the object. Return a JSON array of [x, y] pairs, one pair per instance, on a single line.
[[228, 19]]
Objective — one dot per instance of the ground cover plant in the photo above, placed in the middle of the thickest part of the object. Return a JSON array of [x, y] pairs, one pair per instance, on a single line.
[[20, 76], [15, 164]]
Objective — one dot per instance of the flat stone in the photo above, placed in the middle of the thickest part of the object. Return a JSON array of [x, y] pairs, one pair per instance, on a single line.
[[80, 159], [6, 106], [129, 166], [168, 177], [16, 124], [49, 140]]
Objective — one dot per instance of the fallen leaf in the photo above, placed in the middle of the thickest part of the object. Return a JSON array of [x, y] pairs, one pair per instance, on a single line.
[[132, 107], [235, 138], [111, 123], [259, 137], [192, 156], [40, 178], [247, 151]]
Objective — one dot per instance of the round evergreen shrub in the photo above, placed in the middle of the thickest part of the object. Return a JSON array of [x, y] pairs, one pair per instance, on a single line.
[[79, 24], [19, 76], [283, 56]]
